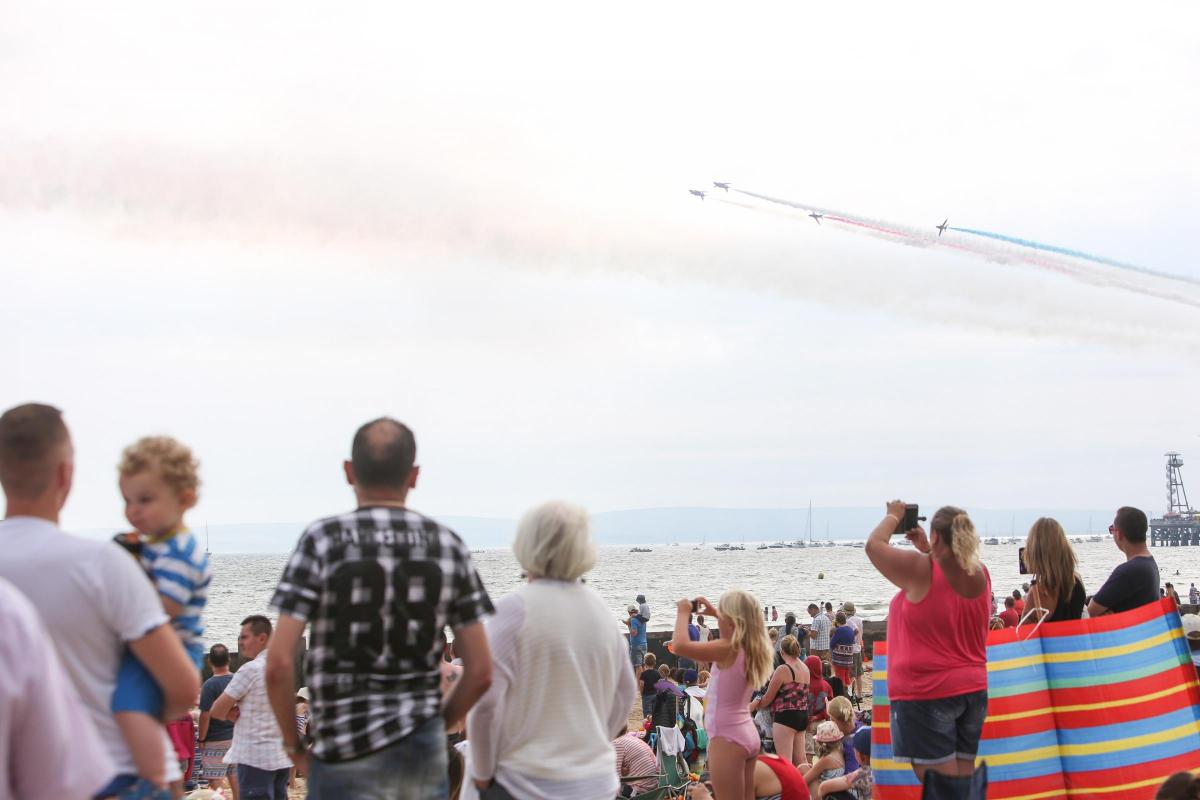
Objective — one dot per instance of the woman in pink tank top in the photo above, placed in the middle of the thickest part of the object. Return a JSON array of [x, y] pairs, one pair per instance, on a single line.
[[742, 660], [937, 640]]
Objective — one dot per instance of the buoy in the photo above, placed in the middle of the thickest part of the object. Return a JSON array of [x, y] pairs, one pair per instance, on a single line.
[[820, 576]]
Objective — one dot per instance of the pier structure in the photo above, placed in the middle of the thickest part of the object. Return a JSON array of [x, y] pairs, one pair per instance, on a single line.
[[1180, 526]]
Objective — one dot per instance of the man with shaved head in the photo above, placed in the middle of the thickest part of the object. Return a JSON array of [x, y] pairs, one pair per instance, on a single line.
[[93, 598], [379, 585]]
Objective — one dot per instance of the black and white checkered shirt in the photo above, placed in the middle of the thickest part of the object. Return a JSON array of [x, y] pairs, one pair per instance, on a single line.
[[378, 585]]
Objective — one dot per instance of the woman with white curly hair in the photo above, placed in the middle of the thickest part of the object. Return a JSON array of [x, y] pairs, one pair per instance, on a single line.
[[560, 692]]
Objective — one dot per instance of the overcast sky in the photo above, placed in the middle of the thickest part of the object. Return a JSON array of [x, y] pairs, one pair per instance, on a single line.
[[255, 227]]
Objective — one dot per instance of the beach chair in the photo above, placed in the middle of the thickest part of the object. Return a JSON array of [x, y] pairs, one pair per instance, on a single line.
[[672, 768], [673, 773]]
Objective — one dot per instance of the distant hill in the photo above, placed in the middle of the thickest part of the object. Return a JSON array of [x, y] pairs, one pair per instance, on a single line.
[[656, 526]]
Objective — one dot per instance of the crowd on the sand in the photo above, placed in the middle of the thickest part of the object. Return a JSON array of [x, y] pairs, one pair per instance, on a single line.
[[101, 655]]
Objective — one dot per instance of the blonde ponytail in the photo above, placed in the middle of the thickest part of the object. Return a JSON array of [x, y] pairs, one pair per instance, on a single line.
[[958, 533], [965, 543]]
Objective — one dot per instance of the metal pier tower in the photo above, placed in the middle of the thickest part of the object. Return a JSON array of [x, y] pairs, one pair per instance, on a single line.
[[1180, 526]]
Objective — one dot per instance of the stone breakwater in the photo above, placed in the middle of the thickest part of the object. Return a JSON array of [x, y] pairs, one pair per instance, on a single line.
[[873, 631]]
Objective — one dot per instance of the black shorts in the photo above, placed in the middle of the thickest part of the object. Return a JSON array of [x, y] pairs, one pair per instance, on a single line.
[[937, 731], [793, 718]]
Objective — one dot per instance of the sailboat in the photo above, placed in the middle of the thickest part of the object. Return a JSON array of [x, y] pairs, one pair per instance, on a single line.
[[207, 550]]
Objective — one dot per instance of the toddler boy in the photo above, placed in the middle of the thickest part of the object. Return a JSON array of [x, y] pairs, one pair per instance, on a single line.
[[159, 480]]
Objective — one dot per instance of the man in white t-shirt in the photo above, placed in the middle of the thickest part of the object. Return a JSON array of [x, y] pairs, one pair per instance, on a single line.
[[92, 596], [855, 621]]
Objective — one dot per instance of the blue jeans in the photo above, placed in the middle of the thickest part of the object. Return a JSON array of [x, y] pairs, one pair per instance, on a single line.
[[413, 768], [131, 787], [262, 784]]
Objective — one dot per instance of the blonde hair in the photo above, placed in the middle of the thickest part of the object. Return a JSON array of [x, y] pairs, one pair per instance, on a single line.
[[790, 646], [649, 660], [553, 541], [958, 532], [749, 634], [840, 710], [168, 458], [1049, 555], [825, 748]]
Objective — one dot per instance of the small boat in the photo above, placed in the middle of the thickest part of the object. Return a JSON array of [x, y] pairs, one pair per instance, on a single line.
[[1096, 538], [640, 550], [764, 547], [722, 548], [991, 540], [737, 547], [777, 546]]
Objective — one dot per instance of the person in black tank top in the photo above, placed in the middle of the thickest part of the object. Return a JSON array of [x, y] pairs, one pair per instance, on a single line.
[[1057, 589], [787, 698]]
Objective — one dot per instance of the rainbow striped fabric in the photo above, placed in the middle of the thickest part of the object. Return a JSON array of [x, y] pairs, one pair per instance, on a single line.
[[1101, 708]]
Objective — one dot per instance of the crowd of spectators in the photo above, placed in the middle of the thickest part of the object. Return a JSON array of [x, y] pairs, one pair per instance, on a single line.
[[525, 707]]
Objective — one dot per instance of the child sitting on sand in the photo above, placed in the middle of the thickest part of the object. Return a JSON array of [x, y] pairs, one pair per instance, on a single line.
[[829, 763], [856, 785], [159, 481]]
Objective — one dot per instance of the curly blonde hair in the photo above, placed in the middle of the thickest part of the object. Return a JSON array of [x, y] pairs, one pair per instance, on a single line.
[[169, 458]]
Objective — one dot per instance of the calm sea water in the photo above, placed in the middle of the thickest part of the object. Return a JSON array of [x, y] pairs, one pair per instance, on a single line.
[[788, 579]]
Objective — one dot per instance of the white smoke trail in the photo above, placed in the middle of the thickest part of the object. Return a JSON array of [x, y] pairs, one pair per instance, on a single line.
[[135, 191]]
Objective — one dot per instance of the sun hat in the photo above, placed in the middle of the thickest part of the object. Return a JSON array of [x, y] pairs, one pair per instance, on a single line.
[[862, 740], [632, 609], [828, 731], [848, 607], [302, 692], [1191, 626]]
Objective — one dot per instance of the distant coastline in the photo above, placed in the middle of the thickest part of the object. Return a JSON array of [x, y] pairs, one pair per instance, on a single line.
[[658, 527]]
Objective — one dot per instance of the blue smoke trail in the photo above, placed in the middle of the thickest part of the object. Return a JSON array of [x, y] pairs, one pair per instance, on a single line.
[[1066, 251]]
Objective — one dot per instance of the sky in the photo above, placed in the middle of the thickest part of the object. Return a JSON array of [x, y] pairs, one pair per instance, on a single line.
[[255, 228]]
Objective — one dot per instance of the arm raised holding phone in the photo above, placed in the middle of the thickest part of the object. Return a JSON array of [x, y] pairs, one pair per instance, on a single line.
[[715, 650], [907, 569]]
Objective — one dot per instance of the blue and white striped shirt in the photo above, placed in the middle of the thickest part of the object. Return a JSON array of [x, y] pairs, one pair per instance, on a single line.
[[179, 568]]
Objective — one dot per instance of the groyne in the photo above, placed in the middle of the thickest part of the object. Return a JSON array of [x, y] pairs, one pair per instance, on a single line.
[[874, 630]]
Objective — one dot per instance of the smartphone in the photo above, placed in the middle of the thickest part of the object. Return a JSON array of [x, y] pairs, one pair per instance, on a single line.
[[911, 518], [1021, 562], [695, 606]]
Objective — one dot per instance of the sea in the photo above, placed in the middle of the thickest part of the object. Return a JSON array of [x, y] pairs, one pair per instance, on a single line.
[[788, 579]]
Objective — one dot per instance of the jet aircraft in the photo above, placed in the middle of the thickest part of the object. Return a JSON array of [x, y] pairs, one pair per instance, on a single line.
[[942, 228], [816, 217], [697, 192], [719, 185]]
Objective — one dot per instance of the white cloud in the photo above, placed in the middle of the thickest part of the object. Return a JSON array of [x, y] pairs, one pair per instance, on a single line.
[[256, 229]]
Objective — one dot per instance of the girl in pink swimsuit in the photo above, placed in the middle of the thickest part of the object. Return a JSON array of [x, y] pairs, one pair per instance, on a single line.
[[742, 661]]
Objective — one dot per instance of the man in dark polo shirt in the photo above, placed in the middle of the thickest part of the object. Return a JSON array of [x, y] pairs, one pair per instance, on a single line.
[[1134, 583]]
